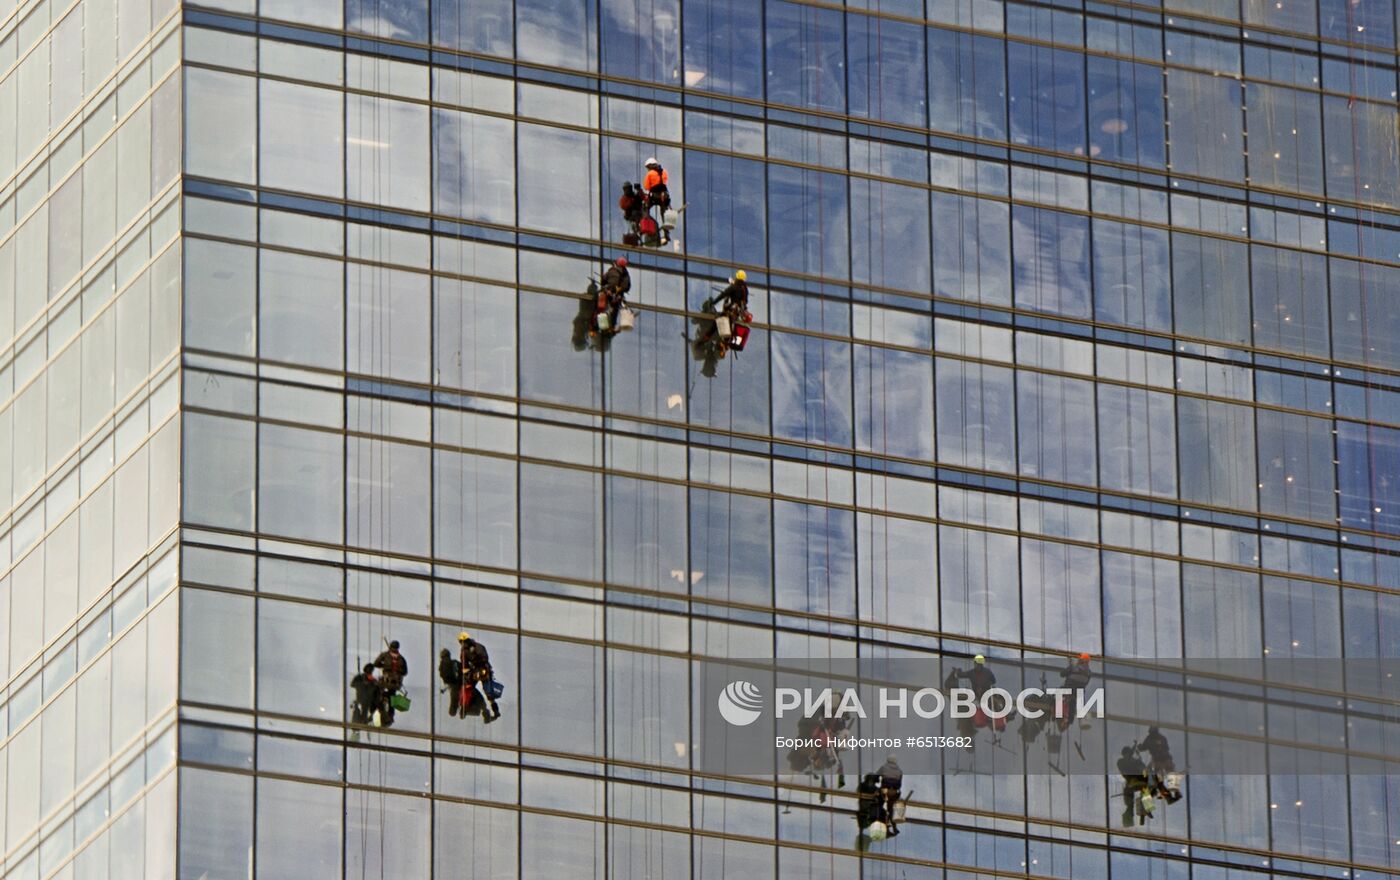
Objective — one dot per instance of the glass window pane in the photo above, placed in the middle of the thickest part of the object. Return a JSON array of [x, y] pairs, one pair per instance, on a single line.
[[561, 522], [287, 682], [1052, 261], [219, 296], [218, 472], [1132, 275], [712, 29], [1210, 284], [388, 159], [886, 70], [472, 157], [474, 509], [1055, 421], [971, 249], [563, 198], [1216, 453], [385, 485], [216, 651], [978, 579], [301, 487], [808, 224], [216, 825], [642, 42], [806, 56], [1126, 112], [298, 830], [1047, 104], [486, 26], [301, 309], [299, 137], [220, 127], [1296, 474], [387, 323], [1137, 440], [405, 20], [560, 34], [976, 416], [1207, 136]]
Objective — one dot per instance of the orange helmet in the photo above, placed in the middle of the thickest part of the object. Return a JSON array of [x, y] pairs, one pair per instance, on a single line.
[[1084, 656]]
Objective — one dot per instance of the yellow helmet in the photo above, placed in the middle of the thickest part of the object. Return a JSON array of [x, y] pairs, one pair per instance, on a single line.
[[463, 636], [979, 660], [741, 275]]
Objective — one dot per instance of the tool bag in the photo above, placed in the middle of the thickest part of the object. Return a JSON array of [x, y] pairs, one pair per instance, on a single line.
[[741, 338]]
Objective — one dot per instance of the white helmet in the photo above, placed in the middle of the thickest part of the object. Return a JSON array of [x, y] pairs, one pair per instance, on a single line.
[[651, 161]]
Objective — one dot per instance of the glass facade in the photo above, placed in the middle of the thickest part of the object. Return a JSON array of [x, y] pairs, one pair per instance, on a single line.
[[1077, 329]]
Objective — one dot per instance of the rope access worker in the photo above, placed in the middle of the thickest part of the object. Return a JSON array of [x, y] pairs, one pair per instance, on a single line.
[[732, 304], [981, 679], [450, 671], [369, 696], [656, 193], [1162, 766], [891, 780], [870, 808], [395, 668], [1075, 677], [476, 669], [1134, 774], [612, 297], [632, 206]]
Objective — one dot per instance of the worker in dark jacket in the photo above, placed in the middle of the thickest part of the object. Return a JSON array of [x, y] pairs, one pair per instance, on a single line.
[[735, 297], [476, 669], [612, 294], [1134, 774], [733, 304], [631, 205], [394, 667], [369, 696], [891, 780], [450, 671]]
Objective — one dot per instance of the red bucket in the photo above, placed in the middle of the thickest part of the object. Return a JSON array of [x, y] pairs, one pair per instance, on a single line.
[[740, 338]]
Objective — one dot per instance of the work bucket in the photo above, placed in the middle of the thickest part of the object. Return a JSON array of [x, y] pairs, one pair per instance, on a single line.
[[626, 319], [604, 323], [723, 327], [741, 338], [400, 702], [669, 218]]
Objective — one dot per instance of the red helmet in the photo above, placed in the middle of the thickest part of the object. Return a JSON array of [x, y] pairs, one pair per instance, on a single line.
[[620, 262]]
